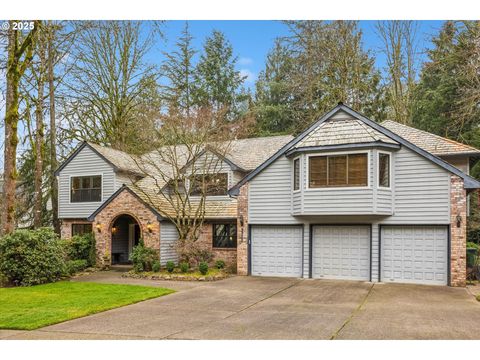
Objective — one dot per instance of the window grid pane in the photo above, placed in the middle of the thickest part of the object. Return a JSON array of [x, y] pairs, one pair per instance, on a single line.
[[86, 189], [384, 170], [357, 170], [224, 235], [296, 174], [338, 171]]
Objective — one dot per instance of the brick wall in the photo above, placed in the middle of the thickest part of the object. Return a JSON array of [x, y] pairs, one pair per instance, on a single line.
[[66, 227], [242, 238], [458, 236], [124, 204], [205, 240]]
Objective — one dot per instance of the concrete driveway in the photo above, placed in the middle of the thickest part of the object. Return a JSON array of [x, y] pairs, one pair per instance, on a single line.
[[278, 308]]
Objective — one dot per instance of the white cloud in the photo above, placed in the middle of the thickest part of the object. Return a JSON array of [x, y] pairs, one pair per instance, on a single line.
[[245, 61], [250, 76]]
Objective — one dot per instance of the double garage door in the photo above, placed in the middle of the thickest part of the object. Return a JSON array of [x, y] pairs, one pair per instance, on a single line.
[[408, 254]]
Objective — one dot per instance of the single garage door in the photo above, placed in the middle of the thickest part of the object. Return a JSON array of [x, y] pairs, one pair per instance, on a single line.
[[276, 250], [415, 254], [341, 252]]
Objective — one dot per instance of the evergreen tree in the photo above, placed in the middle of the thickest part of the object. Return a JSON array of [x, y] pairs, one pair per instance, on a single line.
[[329, 65], [180, 72], [219, 85], [273, 99], [436, 91]]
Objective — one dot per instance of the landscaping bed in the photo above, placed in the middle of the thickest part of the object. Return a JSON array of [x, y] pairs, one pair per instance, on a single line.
[[211, 275], [28, 308]]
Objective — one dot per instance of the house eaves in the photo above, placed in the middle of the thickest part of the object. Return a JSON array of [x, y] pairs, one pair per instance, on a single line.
[[469, 182]]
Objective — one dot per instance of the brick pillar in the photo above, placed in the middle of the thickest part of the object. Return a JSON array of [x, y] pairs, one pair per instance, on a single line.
[[458, 234], [242, 238]]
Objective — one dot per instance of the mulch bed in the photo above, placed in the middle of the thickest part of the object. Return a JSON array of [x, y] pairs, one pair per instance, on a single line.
[[175, 277]]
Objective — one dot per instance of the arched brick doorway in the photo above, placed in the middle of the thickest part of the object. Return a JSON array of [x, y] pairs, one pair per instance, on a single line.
[[126, 233]]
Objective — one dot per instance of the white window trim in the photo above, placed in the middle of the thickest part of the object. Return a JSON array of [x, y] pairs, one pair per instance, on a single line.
[[300, 175], [390, 179], [84, 202], [345, 188]]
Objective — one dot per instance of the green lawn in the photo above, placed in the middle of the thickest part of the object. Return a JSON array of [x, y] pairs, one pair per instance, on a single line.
[[28, 308]]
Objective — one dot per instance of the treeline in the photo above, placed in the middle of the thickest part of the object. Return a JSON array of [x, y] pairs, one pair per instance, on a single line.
[[89, 80]]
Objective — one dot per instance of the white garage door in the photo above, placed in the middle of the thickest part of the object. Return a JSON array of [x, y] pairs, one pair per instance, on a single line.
[[341, 252], [276, 250], [415, 254]]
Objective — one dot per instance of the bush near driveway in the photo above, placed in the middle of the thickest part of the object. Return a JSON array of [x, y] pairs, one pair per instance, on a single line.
[[28, 308], [81, 247], [31, 257]]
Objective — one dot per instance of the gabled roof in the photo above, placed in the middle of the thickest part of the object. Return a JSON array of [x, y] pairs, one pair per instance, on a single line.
[[119, 160], [432, 143], [340, 130], [469, 182], [214, 209]]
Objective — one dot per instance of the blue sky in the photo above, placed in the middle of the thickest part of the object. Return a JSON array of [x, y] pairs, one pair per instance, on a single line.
[[252, 40]]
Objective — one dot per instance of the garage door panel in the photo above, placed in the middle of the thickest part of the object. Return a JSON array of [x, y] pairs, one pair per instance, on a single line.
[[415, 254], [341, 252], [276, 250]]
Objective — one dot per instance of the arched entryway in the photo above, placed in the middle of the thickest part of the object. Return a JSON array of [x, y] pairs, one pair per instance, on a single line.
[[126, 234]]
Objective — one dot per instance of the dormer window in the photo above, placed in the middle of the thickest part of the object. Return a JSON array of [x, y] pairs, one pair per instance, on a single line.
[[349, 170], [213, 185]]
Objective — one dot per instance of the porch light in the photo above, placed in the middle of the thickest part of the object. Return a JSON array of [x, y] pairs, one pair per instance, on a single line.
[[98, 226], [114, 230], [459, 220], [149, 227]]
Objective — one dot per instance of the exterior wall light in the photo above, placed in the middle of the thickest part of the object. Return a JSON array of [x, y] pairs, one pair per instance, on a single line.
[[149, 227], [459, 220], [98, 226], [114, 230]]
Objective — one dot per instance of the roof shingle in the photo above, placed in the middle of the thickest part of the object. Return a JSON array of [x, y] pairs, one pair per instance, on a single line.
[[432, 143]]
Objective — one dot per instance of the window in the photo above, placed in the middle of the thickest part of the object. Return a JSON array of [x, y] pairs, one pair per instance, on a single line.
[[224, 235], [212, 185], [81, 229], [384, 170], [86, 189], [338, 170], [296, 174]]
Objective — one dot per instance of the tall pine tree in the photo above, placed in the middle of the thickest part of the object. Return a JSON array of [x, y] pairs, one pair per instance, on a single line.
[[180, 72], [219, 84]]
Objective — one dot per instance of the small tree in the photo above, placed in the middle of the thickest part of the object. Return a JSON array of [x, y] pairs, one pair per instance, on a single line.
[[184, 168]]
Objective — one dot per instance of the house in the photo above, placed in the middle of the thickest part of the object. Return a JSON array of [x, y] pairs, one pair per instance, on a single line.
[[346, 199]]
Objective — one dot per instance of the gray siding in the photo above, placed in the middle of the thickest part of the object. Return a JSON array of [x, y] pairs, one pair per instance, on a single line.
[[422, 191], [168, 237], [87, 162], [270, 195], [420, 194]]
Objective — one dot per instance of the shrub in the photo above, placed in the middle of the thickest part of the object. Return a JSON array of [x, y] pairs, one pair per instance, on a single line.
[[203, 268], [220, 264], [31, 257], [472, 245], [170, 266], [191, 252], [74, 266], [184, 267], [156, 266], [143, 257], [82, 247]]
